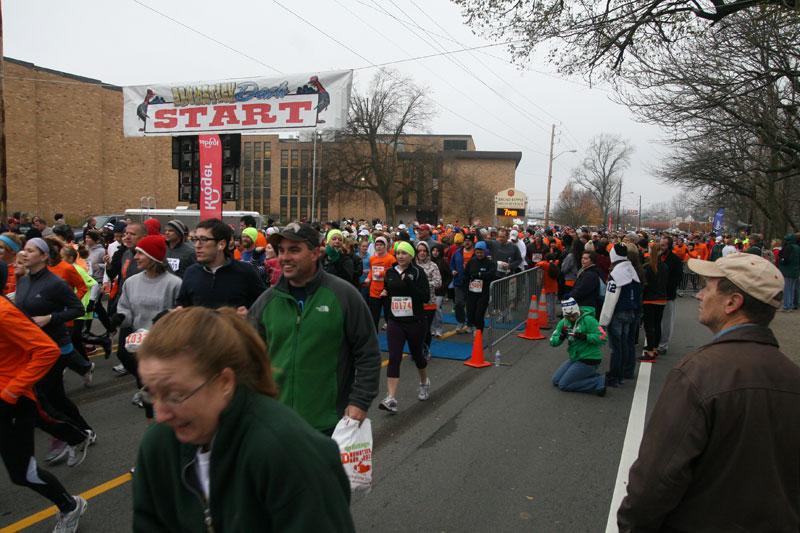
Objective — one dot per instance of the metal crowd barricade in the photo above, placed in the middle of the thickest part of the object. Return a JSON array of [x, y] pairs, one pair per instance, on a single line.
[[690, 281], [509, 300]]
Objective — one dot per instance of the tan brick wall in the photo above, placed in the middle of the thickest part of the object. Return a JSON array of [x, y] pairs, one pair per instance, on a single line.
[[495, 175], [66, 151]]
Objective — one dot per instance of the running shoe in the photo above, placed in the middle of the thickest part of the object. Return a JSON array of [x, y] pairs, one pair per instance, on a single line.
[[91, 349], [647, 357], [137, 399], [470, 329], [68, 522], [388, 404], [120, 370], [92, 437], [424, 390], [76, 454], [87, 377], [58, 449], [462, 328]]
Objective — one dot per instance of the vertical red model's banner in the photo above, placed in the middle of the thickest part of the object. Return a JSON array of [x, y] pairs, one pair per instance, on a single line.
[[210, 150]]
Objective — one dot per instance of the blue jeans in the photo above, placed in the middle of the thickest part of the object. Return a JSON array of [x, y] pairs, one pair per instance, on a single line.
[[789, 293], [629, 361], [574, 376], [619, 342]]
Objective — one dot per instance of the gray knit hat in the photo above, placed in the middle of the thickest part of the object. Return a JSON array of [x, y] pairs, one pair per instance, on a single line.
[[179, 227]]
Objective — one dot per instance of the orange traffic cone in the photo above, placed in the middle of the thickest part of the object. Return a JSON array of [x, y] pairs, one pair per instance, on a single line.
[[477, 360], [532, 324], [543, 321]]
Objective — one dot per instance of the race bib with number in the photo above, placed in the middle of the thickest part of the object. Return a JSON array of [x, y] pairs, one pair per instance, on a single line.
[[377, 273], [536, 257], [476, 285], [401, 306], [501, 266], [174, 263], [135, 340]]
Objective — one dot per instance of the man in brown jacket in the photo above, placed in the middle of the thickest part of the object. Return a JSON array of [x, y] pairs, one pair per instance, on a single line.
[[721, 451]]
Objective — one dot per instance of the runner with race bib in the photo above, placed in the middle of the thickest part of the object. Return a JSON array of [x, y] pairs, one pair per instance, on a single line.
[[379, 263], [405, 293], [481, 271]]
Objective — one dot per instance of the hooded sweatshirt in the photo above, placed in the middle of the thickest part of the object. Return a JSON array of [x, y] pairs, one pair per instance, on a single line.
[[789, 257], [589, 351], [623, 291]]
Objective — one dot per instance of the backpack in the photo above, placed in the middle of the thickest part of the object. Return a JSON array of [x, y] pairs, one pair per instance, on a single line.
[[769, 256]]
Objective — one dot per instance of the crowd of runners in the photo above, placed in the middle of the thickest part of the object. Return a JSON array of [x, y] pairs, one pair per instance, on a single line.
[[301, 335]]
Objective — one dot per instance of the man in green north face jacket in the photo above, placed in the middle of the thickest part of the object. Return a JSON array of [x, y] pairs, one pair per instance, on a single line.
[[319, 333]]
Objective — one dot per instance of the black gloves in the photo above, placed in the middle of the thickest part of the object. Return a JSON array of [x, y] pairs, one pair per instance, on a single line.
[[564, 332], [579, 336], [90, 307]]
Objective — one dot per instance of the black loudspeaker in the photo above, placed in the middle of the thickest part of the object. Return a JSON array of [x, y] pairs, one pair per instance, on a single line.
[[186, 160]]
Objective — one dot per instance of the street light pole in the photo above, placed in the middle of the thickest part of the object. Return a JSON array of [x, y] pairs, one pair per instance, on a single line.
[[550, 175], [640, 211]]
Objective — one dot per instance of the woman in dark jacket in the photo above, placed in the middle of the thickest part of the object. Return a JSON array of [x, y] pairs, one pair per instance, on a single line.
[[51, 303], [481, 271], [438, 257], [336, 261], [654, 298], [586, 290], [405, 292]]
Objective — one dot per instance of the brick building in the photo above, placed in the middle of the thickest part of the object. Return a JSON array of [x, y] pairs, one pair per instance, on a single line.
[[66, 153]]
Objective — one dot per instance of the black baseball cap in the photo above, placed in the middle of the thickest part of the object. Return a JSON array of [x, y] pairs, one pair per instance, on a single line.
[[298, 232]]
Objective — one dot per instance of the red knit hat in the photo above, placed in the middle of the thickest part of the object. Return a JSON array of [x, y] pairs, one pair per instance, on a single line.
[[154, 247], [153, 226]]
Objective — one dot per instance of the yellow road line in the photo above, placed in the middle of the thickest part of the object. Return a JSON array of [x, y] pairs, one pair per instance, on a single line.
[[50, 511]]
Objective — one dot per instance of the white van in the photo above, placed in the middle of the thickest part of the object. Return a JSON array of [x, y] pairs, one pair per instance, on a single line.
[[190, 217]]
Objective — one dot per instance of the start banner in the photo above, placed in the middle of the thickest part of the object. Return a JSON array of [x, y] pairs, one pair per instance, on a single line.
[[210, 152], [288, 103]]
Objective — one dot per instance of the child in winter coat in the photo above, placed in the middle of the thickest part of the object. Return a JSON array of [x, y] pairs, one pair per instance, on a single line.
[[586, 338]]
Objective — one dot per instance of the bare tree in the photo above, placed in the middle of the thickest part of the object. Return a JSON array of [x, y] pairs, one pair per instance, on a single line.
[[584, 35], [576, 207], [466, 195], [366, 155], [601, 171]]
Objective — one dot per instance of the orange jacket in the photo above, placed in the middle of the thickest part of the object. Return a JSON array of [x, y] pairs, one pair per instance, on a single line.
[[11, 284], [377, 270], [28, 353], [550, 285]]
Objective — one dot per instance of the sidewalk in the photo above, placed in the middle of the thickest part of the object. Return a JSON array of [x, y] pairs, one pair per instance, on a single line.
[[784, 326]]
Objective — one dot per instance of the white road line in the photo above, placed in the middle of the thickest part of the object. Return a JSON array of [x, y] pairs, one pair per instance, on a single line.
[[633, 438]]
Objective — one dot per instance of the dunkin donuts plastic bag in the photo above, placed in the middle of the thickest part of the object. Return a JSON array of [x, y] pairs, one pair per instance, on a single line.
[[355, 449]]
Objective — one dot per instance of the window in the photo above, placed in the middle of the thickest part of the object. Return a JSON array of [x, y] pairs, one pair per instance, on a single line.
[[284, 211], [284, 172], [454, 144]]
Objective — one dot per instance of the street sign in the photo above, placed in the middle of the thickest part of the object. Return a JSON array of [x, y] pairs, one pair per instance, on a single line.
[[510, 203]]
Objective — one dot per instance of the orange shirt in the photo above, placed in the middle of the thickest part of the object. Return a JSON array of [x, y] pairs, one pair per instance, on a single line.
[[550, 284], [681, 251], [28, 353], [467, 256], [377, 270], [68, 273]]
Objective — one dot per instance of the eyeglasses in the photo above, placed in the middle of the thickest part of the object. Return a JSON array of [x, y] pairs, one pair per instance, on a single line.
[[173, 400], [203, 239]]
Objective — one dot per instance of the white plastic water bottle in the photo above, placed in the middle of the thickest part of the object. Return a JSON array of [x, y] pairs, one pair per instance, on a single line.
[[497, 358]]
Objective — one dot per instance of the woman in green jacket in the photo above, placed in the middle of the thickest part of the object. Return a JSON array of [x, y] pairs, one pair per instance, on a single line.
[[225, 455], [585, 348]]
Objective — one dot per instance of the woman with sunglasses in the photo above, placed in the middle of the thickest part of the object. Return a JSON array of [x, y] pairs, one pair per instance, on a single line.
[[225, 455]]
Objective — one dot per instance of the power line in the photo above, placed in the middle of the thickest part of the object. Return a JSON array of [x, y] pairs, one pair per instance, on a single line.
[[207, 36], [320, 30]]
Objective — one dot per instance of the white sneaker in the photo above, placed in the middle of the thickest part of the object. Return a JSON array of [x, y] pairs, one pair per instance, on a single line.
[[424, 390], [76, 454], [470, 329], [120, 369], [137, 399], [462, 328], [58, 449], [68, 522], [87, 377], [388, 404]]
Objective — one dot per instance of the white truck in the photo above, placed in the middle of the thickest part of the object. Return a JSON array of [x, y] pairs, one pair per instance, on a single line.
[[190, 217]]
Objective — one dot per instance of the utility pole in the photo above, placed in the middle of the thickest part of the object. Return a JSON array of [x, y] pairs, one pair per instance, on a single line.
[[640, 211], [549, 178], [3, 167], [619, 202]]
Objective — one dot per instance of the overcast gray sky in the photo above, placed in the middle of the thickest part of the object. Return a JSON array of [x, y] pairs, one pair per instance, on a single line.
[[504, 107]]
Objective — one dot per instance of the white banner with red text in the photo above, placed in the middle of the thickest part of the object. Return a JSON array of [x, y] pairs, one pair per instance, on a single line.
[[291, 102], [210, 152]]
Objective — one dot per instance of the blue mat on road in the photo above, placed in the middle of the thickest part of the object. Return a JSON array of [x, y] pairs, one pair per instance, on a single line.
[[450, 318], [460, 351]]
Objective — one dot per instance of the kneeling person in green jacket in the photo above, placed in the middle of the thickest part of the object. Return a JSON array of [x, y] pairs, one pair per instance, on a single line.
[[586, 337]]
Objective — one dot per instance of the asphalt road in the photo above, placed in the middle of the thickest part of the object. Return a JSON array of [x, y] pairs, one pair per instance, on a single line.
[[494, 449]]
